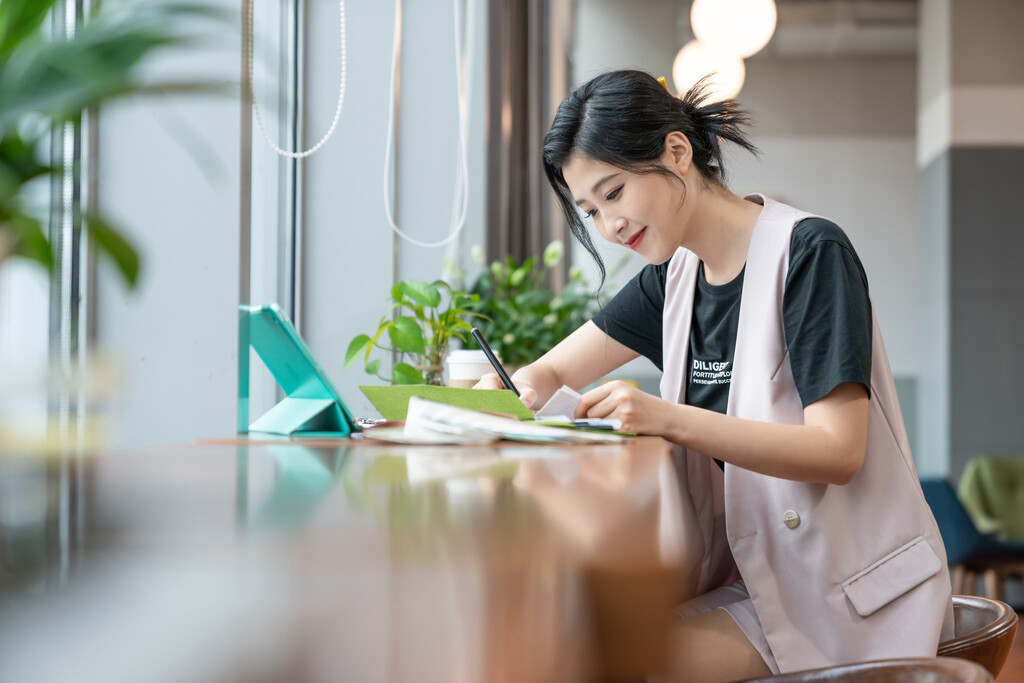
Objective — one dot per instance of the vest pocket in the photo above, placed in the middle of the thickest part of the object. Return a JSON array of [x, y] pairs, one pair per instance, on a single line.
[[890, 577]]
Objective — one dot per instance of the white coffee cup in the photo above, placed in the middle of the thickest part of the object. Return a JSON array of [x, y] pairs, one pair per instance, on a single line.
[[467, 366]]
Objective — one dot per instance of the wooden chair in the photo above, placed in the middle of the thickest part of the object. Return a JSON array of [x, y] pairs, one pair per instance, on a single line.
[[983, 632], [917, 670]]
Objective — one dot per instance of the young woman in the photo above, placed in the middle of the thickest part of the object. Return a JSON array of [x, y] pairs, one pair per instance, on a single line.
[[820, 548]]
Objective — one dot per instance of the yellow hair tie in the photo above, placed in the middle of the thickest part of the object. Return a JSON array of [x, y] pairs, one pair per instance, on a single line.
[[661, 79]]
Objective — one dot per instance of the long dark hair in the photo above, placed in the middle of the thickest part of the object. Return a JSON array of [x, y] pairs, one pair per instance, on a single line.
[[621, 118]]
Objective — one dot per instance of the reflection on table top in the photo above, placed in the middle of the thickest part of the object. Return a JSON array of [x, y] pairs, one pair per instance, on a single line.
[[294, 561]]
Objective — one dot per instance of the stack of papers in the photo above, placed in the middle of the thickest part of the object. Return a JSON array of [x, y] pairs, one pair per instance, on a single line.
[[430, 422], [561, 405]]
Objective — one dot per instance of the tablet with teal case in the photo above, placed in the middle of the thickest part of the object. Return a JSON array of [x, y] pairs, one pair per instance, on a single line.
[[311, 403]]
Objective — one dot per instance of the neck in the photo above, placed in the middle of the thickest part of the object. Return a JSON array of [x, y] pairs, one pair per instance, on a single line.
[[722, 225]]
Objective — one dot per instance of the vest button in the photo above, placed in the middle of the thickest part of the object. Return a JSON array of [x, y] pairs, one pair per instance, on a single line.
[[791, 519]]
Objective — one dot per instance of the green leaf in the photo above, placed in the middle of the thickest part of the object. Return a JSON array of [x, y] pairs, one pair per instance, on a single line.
[[406, 335], [373, 366], [385, 324], [518, 275], [59, 78], [355, 347], [31, 241], [110, 242], [19, 19], [462, 301], [532, 298], [407, 374], [18, 163], [421, 292]]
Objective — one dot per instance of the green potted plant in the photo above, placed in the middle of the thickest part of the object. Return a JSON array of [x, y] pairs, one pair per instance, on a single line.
[[46, 82], [520, 316], [429, 316]]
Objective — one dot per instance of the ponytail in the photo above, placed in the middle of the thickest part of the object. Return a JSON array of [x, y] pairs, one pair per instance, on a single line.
[[621, 118], [713, 123]]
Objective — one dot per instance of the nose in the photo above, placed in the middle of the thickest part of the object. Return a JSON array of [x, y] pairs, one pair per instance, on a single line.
[[611, 227]]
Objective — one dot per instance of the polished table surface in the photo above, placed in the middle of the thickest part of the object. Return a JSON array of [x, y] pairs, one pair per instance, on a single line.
[[342, 561]]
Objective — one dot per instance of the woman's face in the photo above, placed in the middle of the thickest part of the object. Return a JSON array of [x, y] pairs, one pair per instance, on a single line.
[[640, 211]]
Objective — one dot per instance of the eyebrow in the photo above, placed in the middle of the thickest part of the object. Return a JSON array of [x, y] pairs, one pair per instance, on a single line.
[[598, 185]]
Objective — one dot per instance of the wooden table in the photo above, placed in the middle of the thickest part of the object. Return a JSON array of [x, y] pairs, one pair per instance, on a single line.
[[344, 561]]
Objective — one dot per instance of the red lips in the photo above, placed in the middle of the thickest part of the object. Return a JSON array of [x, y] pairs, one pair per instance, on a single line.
[[634, 241]]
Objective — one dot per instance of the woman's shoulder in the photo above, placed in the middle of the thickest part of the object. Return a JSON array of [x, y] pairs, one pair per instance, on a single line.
[[815, 230], [820, 246], [814, 234]]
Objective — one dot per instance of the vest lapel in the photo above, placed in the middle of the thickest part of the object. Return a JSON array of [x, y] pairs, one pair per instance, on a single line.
[[760, 359]]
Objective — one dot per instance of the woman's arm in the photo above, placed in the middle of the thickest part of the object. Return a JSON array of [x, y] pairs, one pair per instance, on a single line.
[[583, 357], [828, 448]]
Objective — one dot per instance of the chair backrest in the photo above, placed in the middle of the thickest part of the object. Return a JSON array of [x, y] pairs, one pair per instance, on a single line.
[[983, 632], [918, 670], [959, 534], [992, 491]]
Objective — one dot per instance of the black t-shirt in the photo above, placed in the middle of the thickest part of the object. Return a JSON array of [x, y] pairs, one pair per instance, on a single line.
[[825, 308]]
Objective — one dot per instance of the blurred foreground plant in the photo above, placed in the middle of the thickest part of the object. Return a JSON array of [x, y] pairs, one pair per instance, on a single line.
[[422, 336], [47, 82]]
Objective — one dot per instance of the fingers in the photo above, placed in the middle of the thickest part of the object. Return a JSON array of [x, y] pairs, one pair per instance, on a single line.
[[620, 401], [489, 381], [610, 406], [591, 399], [527, 394]]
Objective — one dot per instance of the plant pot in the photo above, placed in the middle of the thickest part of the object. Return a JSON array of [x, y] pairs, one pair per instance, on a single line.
[[434, 374]]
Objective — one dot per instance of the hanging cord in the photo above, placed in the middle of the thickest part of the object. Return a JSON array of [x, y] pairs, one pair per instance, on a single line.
[[460, 198], [341, 91], [463, 54]]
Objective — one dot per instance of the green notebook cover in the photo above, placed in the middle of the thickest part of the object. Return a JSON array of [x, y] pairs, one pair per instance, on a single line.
[[393, 400]]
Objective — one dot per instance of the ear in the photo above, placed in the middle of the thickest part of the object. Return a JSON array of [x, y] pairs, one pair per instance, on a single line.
[[678, 152]]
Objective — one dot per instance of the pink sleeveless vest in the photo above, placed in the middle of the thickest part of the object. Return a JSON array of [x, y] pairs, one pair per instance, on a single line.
[[837, 574]]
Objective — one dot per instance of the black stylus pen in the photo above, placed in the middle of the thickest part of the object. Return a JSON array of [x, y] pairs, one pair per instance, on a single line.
[[494, 360]]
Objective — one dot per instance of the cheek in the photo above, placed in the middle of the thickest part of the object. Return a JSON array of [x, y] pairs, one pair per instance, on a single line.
[[599, 226]]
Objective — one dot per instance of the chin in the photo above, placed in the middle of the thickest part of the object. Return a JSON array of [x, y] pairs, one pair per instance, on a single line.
[[658, 258]]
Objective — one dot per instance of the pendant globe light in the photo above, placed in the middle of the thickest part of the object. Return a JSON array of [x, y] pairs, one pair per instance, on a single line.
[[696, 60], [737, 27]]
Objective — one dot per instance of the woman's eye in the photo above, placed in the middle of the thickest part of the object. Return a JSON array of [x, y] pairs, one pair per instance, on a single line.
[[591, 213], [614, 193]]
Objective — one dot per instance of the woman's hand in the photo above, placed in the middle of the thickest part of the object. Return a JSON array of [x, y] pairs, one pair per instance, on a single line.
[[527, 392], [639, 411]]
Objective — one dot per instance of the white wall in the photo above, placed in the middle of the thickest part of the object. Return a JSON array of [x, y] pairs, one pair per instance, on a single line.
[[168, 174]]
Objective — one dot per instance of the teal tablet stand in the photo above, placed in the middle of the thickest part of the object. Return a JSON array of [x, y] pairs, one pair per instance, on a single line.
[[311, 404]]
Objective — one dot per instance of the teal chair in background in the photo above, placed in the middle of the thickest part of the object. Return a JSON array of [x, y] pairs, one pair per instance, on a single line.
[[969, 552]]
